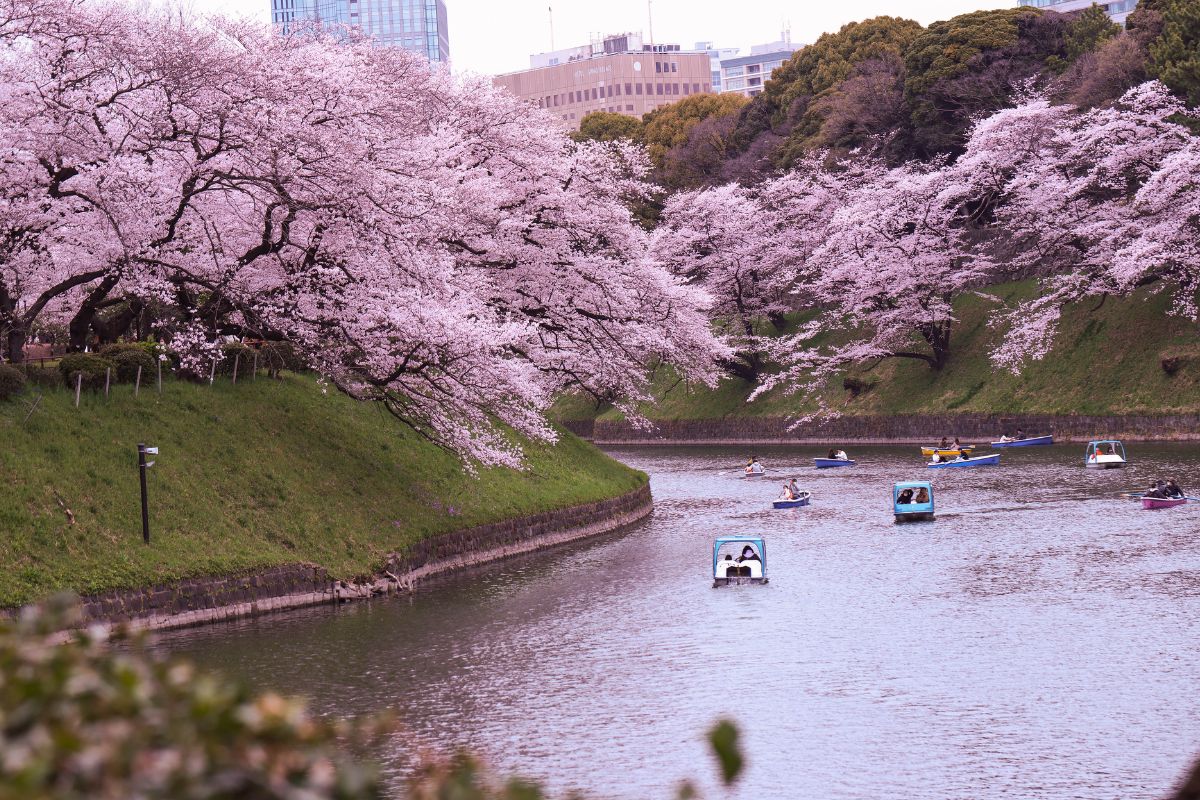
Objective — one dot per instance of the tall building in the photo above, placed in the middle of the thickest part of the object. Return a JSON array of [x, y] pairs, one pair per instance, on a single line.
[[1117, 9], [621, 74], [715, 54], [747, 74], [417, 25]]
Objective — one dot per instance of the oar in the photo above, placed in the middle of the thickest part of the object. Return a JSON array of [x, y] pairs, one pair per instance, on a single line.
[[1133, 495]]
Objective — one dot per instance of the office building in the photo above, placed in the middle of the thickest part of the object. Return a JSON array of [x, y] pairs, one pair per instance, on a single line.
[[621, 74], [1117, 9], [416, 25], [715, 54], [747, 74]]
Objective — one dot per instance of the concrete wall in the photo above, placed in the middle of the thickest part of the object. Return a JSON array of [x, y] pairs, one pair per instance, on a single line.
[[900, 429], [204, 600]]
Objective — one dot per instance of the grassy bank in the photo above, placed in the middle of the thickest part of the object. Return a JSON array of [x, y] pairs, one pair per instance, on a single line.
[[248, 476], [1106, 360]]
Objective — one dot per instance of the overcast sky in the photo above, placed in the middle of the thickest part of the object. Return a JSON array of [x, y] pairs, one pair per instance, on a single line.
[[493, 36]]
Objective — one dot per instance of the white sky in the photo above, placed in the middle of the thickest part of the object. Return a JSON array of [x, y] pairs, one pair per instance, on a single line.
[[494, 36]]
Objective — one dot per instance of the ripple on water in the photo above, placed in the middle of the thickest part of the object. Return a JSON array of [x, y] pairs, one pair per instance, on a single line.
[[1036, 641]]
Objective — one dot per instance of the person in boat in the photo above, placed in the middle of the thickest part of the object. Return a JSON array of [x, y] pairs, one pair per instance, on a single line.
[[1158, 489], [905, 497], [961, 456], [840, 455], [1005, 438], [922, 495], [748, 554], [945, 445], [936, 458], [957, 444], [1173, 490], [833, 454], [1020, 434], [754, 468], [792, 489], [787, 494]]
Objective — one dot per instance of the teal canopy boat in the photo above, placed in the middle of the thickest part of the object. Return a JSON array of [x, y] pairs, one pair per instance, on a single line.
[[739, 559]]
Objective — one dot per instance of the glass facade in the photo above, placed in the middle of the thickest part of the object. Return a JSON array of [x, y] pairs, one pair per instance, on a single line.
[[1117, 9], [416, 25]]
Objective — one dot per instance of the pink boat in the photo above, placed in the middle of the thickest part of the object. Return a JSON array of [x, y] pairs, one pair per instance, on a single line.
[[1162, 502]]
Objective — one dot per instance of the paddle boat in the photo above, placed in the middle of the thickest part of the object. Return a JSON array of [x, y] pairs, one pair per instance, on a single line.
[[978, 461], [948, 452], [912, 500], [800, 501], [739, 559], [1105, 454], [1028, 441], [753, 474], [826, 463], [1162, 502]]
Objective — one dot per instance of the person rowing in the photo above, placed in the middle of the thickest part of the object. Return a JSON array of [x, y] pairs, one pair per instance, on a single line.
[[754, 468], [1173, 490]]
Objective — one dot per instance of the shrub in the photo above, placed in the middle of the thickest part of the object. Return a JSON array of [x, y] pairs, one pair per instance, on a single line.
[[12, 382], [235, 352], [126, 363], [90, 721], [151, 349], [43, 377], [91, 367]]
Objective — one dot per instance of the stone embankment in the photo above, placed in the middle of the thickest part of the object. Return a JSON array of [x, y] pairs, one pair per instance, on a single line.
[[909, 428], [200, 601]]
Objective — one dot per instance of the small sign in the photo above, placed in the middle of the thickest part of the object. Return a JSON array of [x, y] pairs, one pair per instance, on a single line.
[[149, 464], [153, 451]]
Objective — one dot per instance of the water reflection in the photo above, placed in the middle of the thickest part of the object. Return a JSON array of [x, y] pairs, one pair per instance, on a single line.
[[1037, 640]]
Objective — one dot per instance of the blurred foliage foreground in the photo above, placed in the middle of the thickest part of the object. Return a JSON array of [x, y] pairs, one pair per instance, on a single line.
[[81, 719]]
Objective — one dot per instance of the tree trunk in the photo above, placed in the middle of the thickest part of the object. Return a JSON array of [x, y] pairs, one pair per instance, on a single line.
[[81, 323]]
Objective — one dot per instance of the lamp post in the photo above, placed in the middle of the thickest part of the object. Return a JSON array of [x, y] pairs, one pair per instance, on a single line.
[[144, 465]]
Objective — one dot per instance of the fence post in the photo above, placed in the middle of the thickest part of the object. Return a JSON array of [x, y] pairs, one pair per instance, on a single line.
[[159, 361], [254, 377], [212, 373], [78, 386], [107, 378], [237, 359], [145, 505], [137, 383]]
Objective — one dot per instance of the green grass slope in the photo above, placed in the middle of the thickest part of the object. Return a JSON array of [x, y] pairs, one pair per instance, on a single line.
[[1106, 360], [250, 475]]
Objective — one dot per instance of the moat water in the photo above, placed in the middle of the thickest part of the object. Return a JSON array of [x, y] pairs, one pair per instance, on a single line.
[[1039, 639]]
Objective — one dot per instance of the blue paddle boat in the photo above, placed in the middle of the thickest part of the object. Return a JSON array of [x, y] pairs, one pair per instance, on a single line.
[[978, 461], [1029, 441], [800, 501], [912, 500], [739, 559], [826, 463]]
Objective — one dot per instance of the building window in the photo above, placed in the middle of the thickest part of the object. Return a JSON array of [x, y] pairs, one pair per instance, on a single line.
[[629, 88], [674, 67], [658, 66], [595, 94], [735, 72], [629, 107], [736, 83], [658, 88], [695, 88], [649, 88], [685, 90], [753, 69], [754, 81], [610, 91]]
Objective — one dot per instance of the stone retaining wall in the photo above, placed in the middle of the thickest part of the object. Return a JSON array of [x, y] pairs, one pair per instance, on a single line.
[[199, 601], [907, 428]]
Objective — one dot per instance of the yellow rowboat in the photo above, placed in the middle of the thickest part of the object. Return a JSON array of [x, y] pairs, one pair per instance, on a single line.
[[950, 452]]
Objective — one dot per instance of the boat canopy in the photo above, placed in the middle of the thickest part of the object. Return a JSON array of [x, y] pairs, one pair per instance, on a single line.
[[912, 507]]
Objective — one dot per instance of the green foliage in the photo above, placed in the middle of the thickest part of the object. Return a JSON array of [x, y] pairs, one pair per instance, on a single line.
[[668, 126], [1090, 29], [126, 363], [607, 126], [827, 62], [92, 368], [1175, 55], [724, 741], [792, 98], [149, 348], [946, 49], [251, 476], [12, 382], [79, 720], [236, 354]]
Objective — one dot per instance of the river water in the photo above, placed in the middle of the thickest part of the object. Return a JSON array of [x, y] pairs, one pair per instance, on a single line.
[[1039, 639]]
